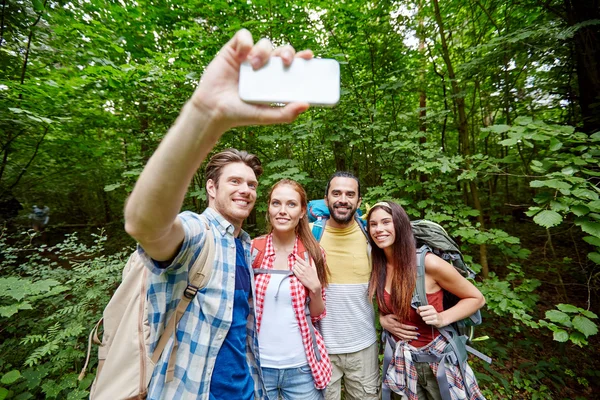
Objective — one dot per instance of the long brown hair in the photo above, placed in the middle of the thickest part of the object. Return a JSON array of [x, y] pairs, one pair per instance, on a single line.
[[404, 263], [303, 231]]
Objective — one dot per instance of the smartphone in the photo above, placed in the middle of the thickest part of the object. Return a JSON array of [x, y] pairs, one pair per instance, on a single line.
[[315, 81]]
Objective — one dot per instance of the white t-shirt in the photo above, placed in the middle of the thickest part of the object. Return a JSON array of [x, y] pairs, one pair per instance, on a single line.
[[279, 338]]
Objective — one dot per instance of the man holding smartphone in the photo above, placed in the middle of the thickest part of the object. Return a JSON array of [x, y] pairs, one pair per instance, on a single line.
[[222, 364]]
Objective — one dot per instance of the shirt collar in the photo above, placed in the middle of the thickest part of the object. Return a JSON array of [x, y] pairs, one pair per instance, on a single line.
[[223, 226], [270, 249]]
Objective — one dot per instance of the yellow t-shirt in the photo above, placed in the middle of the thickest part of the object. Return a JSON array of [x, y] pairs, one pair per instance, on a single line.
[[349, 324], [347, 255]]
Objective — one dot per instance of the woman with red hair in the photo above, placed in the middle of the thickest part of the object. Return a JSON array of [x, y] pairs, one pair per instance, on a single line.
[[291, 275]]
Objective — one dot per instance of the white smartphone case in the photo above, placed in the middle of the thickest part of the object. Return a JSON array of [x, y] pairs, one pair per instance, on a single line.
[[315, 81]]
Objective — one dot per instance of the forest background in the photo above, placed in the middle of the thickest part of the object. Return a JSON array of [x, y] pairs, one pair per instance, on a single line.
[[482, 115]]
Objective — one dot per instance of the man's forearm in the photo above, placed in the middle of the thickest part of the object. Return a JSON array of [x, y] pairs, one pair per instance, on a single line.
[[160, 190]]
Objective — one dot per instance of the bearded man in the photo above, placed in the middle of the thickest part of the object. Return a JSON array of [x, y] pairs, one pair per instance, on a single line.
[[349, 326]]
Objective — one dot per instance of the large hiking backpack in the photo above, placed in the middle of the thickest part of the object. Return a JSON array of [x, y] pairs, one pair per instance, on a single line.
[[318, 213], [431, 237], [125, 365]]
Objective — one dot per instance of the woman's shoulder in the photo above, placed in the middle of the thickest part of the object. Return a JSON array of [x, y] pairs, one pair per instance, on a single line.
[[258, 239], [435, 264]]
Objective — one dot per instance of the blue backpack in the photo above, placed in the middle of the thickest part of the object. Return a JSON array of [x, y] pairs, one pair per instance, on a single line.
[[318, 214]]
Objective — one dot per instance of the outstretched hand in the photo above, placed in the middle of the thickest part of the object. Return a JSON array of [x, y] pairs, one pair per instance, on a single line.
[[217, 93]]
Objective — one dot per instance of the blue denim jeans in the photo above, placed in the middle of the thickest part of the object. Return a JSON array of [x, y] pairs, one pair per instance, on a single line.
[[291, 384]]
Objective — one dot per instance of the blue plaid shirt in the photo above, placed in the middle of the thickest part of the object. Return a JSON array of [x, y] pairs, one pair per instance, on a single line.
[[202, 329]]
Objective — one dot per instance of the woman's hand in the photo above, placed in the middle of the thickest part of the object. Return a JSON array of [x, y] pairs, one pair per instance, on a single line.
[[391, 324], [431, 316], [307, 275]]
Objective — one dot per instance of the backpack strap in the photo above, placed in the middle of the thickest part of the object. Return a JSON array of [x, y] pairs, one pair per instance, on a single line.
[[259, 245], [420, 293], [389, 344], [198, 277], [257, 251], [319, 227]]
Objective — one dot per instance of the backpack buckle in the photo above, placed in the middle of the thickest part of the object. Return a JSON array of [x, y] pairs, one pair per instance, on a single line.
[[190, 291]]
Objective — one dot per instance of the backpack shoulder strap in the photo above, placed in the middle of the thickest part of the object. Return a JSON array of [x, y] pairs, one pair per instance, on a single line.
[[420, 291], [257, 251], [199, 275], [361, 225], [319, 227], [201, 269]]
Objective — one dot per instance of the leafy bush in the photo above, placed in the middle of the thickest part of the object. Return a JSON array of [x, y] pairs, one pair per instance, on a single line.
[[49, 301]]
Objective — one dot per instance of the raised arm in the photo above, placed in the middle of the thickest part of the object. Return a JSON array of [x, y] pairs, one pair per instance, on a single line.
[[151, 210]]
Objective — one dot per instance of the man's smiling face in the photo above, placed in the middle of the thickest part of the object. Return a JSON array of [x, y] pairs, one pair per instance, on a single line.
[[235, 194], [342, 199]]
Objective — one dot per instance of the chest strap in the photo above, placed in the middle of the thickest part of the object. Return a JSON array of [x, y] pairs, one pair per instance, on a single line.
[[311, 327]]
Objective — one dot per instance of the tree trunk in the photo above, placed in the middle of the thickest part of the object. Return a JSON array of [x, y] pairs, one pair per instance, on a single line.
[[463, 132], [587, 57]]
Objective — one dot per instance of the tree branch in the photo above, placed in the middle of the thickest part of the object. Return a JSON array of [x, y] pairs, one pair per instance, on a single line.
[[37, 147]]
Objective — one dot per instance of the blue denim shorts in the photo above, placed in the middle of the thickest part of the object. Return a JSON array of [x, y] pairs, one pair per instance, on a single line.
[[291, 384]]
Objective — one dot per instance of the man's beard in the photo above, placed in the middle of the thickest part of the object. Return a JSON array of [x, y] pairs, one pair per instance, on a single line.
[[343, 220]]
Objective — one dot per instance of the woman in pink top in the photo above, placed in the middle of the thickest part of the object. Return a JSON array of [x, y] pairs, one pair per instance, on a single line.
[[393, 281], [290, 275]]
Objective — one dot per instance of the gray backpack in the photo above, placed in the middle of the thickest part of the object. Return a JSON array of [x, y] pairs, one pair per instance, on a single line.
[[431, 237]]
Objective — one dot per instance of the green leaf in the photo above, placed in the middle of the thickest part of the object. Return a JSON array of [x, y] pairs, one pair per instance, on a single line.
[[561, 336], [12, 309], [585, 194], [558, 317], [595, 257], [580, 210], [594, 205], [499, 128], [555, 145], [594, 241], [509, 142], [593, 228], [589, 314], [585, 326], [568, 308], [578, 338], [548, 218], [38, 5], [551, 183], [3, 393], [110, 188], [10, 377]]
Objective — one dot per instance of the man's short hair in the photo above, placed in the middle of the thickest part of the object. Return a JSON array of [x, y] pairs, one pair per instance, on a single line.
[[342, 174], [218, 161]]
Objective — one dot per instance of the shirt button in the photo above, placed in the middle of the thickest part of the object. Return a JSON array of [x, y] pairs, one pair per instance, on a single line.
[[220, 337], [232, 246]]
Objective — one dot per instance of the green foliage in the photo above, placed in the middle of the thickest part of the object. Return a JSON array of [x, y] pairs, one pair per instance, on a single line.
[[513, 296], [570, 323], [88, 90], [58, 295]]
